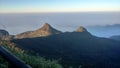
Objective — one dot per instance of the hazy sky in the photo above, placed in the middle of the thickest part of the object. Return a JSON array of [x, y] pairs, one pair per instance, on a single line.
[[17, 23], [8, 6]]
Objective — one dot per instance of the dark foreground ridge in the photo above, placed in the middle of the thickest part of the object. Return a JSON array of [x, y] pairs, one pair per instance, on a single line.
[[75, 48]]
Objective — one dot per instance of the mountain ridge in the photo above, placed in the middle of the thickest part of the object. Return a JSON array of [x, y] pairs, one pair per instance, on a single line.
[[45, 30], [104, 30], [75, 48], [116, 37]]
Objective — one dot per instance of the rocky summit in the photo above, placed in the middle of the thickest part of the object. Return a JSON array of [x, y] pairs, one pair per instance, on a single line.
[[81, 29], [45, 30]]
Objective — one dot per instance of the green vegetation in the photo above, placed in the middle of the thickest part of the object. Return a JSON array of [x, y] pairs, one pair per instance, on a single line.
[[33, 61]]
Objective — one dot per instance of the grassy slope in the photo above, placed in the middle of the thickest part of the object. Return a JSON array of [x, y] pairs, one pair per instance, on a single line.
[[33, 61]]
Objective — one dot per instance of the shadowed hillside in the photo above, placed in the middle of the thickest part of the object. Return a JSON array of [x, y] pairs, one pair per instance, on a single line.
[[35, 61], [75, 48]]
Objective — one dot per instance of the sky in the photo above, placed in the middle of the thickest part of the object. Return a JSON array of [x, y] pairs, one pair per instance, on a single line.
[[17, 23], [14, 6]]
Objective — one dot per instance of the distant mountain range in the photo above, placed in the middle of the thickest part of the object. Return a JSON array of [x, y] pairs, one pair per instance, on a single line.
[[71, 48], [104, 31], [117, 37], [75, 48]]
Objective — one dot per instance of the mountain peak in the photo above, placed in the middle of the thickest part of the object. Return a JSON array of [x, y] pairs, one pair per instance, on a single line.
[[46, 27], [45, 30], [81, 29]]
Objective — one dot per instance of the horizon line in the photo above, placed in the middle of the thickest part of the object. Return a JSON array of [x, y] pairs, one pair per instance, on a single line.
[[56, 12]]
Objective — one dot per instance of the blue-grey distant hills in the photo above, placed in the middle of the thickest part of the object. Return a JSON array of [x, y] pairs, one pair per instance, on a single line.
[[104, 31], [117, 37], [73, 48]]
